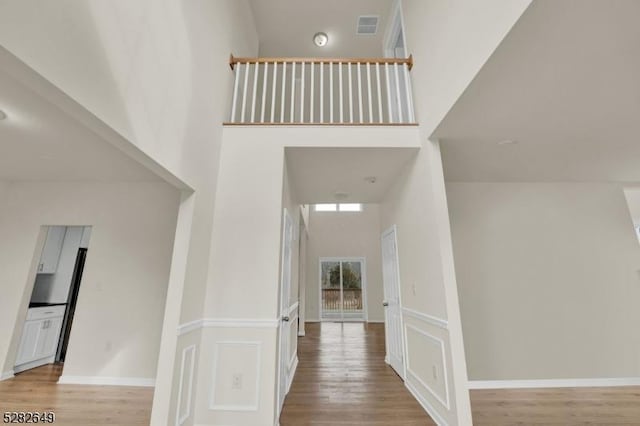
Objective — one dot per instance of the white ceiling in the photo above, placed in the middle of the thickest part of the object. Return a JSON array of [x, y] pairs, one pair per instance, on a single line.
[[286, 27], [40, 142], [318, 173], [565, 84]]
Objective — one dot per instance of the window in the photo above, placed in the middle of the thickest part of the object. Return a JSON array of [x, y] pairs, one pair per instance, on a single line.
[[344, 207], [325, 207], [351, 207]]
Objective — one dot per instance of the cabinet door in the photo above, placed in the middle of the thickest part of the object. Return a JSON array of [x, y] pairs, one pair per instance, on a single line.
[[29, 344], [48, 341], [51, 251]]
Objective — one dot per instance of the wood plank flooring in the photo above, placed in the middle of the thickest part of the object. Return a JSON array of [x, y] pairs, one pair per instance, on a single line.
[[342, 379], [37, 390]]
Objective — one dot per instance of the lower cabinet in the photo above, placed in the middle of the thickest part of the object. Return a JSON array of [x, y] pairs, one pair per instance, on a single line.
[[40, 337]]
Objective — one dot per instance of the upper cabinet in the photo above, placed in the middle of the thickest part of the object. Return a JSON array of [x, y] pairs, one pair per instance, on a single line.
[[51, 251]]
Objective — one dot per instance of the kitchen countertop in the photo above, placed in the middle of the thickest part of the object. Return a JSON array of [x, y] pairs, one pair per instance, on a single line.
[[44, 304]]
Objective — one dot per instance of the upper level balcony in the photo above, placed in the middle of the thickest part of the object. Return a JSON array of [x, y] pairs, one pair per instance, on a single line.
[[322, 91]]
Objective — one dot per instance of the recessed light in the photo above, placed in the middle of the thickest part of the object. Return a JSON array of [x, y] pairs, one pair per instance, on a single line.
[[320, 39], [508, 142], [3, 115]]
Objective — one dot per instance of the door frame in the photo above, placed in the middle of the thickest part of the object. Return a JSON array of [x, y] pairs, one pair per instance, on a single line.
[[393, 229], [396, 24], [282, 308], [365, 306]]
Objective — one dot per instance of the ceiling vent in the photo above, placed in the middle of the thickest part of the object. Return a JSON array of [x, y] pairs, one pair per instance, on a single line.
[[367, 25]]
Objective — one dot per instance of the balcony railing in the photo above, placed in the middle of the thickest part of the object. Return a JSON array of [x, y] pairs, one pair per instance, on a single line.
[[351, 300], [347, 91]]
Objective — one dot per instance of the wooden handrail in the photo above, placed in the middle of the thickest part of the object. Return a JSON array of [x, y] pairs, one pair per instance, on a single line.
[[281, 60]]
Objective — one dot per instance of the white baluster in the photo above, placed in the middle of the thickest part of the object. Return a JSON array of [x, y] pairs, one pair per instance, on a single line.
[[302, 95], [350, 95], [359, 91], [273, 92], [311, 105], [264, 90], [244, 92], [380, 118], [293, 92], [398, 100], [407, 85], [341, 94], [369, 92], [386, 69], [284, 83], [255, 88], [321, 92], [331, 92], [235, 93]]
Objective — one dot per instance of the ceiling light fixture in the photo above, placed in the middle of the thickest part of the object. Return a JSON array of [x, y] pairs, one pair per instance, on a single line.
[[371, 179], [320, 39], [508, 142], [3, 115], [341, 195]]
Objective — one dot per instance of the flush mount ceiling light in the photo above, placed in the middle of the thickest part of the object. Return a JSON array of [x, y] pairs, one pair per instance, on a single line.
[[320, 39], [508, 142], [3, 115], [371, 179], [341, 195]]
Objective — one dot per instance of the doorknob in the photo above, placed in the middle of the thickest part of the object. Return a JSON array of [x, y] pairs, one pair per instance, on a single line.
[[285, 319], [385, 304]]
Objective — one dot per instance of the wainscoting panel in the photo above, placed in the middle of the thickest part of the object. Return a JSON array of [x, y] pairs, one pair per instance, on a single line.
[[236, 376], [185, 391]]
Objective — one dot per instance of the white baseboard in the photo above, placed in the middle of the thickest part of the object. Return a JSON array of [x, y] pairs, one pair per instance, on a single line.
[[376, 321], [554, 383], [426, 405], [6, 375], [108, 381], [312, 320]]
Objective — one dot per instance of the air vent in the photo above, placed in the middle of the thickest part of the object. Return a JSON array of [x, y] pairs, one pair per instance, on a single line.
[[367, 25]]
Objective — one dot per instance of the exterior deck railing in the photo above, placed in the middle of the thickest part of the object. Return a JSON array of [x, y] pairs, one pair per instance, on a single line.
[[334, 91], [351, 300]]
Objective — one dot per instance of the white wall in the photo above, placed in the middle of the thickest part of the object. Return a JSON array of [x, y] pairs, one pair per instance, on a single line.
[[548, 279], [417, 205], [450, 41], [345, 234], [116, 329]]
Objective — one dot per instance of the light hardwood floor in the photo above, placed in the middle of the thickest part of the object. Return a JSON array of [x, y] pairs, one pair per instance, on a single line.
[[342, 379], [37, 390]]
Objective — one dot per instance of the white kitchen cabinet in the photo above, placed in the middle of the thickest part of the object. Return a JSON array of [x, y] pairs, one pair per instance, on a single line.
[[51, 251], [40, 337]]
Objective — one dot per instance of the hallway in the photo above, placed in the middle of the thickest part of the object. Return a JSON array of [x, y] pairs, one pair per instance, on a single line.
[[342, 379]]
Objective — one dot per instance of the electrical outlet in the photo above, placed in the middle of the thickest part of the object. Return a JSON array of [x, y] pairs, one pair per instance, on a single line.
[[434, 370], [236, 381]]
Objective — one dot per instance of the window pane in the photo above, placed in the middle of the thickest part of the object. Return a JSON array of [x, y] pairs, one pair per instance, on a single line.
[[330, 282], [350, 207], [352, 286], [325, 207]]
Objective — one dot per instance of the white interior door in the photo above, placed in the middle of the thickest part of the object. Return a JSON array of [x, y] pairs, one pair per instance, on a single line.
[[392, 310], [285, 324]]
